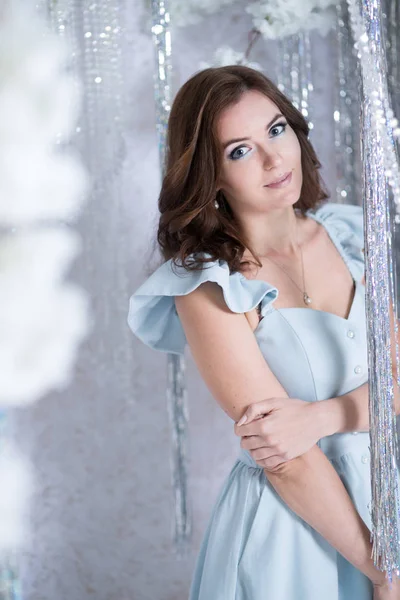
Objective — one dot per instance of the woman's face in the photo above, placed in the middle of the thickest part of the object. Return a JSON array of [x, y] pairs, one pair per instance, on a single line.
[[259, 148]]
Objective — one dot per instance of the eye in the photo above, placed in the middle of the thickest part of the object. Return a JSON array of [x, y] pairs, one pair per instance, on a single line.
[[279, 128], [238, 152]]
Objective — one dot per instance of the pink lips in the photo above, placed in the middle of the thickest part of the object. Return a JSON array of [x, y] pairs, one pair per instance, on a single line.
[[282, 182]]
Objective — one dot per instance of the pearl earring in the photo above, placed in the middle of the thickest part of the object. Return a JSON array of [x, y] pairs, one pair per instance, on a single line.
[[216, 204]]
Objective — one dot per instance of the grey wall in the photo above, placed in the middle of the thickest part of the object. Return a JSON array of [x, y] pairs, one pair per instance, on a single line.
[[102, 510]]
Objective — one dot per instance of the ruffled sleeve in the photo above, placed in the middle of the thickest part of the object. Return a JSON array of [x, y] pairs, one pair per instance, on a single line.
[[345, 225], [152, 314]]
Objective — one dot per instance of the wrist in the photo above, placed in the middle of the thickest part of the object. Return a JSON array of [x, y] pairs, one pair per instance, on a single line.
[[376, 576], [363, 558], [328, 415]]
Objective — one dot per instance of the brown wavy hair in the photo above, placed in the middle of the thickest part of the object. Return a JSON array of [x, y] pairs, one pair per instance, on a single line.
[[189, 223]]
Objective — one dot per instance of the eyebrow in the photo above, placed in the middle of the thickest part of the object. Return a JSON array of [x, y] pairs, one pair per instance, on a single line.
[[226, 144]]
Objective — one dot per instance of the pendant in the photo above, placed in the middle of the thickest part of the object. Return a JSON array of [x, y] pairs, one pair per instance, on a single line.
[[306, 298]]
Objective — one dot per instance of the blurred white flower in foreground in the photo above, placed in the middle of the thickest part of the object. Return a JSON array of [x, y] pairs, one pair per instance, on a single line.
[[281, 18], [43, 319], [39, 104]]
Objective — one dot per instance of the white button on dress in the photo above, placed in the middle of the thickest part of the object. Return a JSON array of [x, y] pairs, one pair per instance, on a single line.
[[358, 369], [350, 333]]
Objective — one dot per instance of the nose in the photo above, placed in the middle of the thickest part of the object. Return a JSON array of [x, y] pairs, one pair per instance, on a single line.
[[271, 159]]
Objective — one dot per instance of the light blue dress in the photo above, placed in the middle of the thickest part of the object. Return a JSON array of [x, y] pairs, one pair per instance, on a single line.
[[255, 547]]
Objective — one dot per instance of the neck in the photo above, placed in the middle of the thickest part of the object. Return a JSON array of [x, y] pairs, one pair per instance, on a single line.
[[276, 234]]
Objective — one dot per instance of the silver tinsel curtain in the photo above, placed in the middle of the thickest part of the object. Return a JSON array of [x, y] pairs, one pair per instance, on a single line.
[[380, 173]]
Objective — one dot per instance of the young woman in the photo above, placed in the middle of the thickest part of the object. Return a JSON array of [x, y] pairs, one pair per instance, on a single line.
[[264, 280]]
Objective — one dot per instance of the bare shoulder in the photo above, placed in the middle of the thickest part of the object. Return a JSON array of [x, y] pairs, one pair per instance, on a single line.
[[225, 351]]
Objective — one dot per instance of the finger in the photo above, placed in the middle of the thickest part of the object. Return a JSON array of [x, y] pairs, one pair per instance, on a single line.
[[257, 443], [256, 410], [253, 442], [256, 427]]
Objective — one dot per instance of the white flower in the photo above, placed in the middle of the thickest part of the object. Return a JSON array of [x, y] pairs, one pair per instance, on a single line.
[[39, 105], [37, 92], [281, 18], [227, 56], [43, 320], [36, 184]]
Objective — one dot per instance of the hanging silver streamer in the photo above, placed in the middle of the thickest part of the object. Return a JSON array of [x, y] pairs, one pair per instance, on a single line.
[[346, 112], [176, 391], [380, 168], [93, 31], [102, 24], [294, 75]]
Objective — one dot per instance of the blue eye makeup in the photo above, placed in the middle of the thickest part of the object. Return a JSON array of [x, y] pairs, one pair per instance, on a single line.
[[234, 155], [242, 151], [281, 125]]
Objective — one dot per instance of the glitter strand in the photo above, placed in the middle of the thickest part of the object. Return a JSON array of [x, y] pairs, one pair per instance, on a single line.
[[294, 71], [103, 80], [380, 168], [375, 87], [176, 390], [346, 112]]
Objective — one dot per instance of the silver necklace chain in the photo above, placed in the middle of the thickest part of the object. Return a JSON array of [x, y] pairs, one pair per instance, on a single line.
[[306, 298]]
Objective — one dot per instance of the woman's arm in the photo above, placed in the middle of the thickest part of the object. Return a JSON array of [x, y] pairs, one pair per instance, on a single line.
[[349, 412], [310, 486], [236, 373]]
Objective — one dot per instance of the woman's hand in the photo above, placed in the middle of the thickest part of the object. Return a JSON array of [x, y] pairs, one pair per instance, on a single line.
[[279, 429]]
